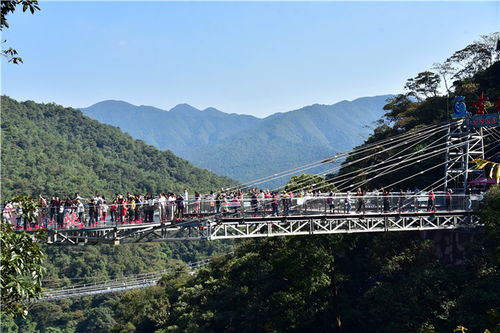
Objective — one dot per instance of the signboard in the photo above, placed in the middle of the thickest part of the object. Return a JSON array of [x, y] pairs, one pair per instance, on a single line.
[[485, 120]]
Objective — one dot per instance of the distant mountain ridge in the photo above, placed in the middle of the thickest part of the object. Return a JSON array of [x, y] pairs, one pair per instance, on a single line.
[[241, 146], [180, 129]]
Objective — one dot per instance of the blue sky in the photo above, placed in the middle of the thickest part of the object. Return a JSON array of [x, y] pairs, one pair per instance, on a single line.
[[244, 57]]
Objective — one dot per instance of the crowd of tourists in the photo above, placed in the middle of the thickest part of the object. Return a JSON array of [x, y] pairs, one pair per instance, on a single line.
[[76, 211]]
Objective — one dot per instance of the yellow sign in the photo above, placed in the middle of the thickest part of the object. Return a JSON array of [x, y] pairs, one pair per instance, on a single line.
[[492, 169]]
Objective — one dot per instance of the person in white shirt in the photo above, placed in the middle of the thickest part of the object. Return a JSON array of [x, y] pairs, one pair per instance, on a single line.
[[104, 211], [80, 209], [171, 206], [186, 201], [162, 201]]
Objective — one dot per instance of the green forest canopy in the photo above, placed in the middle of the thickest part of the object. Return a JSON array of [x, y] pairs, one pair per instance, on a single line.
[[50, 149]]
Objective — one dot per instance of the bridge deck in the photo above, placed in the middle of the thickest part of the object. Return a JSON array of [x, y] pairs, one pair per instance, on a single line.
[[227, 227]]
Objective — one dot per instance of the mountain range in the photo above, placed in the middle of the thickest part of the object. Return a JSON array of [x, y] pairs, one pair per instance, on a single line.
[[244, 147]]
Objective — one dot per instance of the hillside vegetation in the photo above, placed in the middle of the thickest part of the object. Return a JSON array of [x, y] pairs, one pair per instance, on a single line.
[[50, 149]]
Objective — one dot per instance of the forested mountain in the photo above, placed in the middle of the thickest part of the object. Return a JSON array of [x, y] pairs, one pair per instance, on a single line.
[[180, 129], [47, 148], [244, 147]]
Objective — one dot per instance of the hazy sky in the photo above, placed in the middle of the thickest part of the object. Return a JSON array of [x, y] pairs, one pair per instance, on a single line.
[[244, 57]]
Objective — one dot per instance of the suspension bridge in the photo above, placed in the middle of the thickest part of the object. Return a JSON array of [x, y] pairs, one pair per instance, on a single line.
[[458, 141], [329, 213], [120, 284]]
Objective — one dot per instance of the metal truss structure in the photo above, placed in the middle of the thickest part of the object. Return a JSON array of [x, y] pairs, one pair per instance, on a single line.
[[464, 143], [232, 228]]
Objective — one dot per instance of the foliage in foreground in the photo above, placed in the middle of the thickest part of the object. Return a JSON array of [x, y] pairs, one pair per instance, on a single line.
[[21, 269]]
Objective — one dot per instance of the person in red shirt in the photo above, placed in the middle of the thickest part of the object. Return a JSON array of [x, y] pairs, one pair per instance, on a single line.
[[431, 203], [112, 210], [124, 210]]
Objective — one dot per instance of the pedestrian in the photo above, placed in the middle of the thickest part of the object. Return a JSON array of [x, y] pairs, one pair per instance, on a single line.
[[431, 202], [92, 212], [80, 209], [197, 202], [217, 203], [347, 203], [401, 199], [448, 199], [385, 200], [330, 202], [285, 198], [416, 202], [123, 210], [468, 199], [131, 209], [275, 204], [360, 201], [254, 203], [112, 210], [180, 206]]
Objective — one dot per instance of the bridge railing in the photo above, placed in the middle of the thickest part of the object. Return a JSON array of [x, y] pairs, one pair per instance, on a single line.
[[285, 205]]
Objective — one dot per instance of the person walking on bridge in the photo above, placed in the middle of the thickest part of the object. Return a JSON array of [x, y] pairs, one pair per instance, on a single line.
[[285, 198], [416, 203], [180, 206], [171, 206], [217, 203], [80, 209], [468, 199], [386, 203], [401, 200], [361, 201], [330, 202], [448, 199], [275, 204], [347, 203], [92, 212], [254, 203], [431, 202], [197, 203]]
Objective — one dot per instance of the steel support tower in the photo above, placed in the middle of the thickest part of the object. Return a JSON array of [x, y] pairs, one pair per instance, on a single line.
[[463, 144]]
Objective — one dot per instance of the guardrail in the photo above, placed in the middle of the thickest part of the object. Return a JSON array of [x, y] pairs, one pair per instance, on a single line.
[[339, 203]]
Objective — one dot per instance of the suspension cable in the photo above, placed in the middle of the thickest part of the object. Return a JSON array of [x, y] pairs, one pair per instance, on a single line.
[[337, 156], [379, 166], [415, 138]]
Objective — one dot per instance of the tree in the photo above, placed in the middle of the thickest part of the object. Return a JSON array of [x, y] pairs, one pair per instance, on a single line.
[[474, 57], [489, 213], [9, 6], [146, 310], [396, 107], [444, 69], [21, 269], [28, 207], [308, 182], [424, 85], [99, 320]]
